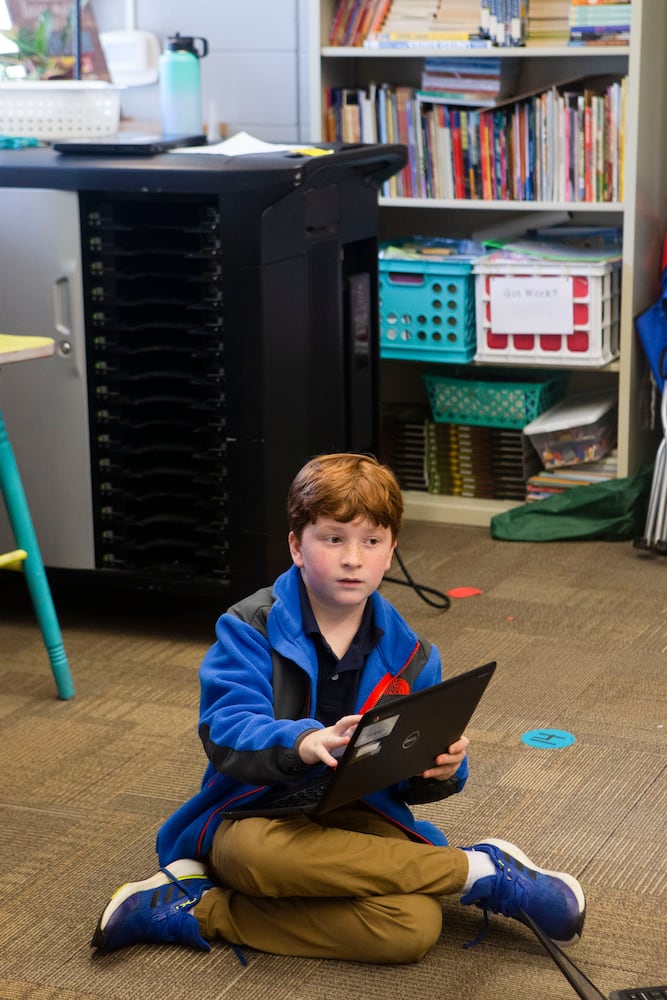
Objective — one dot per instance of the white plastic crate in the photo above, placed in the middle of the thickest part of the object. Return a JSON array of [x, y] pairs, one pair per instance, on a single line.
[[535, 311], [59, 109]]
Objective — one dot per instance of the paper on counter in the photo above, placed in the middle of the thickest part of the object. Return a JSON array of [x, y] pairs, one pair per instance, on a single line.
[[243, 144]]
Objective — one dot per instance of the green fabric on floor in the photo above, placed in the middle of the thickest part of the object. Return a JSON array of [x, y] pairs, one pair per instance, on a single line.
[[613, 510]]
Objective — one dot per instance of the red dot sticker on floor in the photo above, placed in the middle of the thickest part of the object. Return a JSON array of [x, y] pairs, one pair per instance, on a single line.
[[548, 739]]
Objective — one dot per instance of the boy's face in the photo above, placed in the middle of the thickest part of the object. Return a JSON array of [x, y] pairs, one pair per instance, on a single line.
[[342, 563]]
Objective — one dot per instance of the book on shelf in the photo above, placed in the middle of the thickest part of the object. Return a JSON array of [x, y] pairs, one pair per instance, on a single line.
[[427, 43], [354, 19], [368, 117], [402, 435], [598, 23], [598, 36], [617, 14], [471, 81], [467, 98], [546, 483], [578, 236], [505, 22], [476, 461], [529, 248], [548, 22]]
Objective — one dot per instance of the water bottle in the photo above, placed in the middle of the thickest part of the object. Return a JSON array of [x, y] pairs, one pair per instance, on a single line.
[[180, 85]]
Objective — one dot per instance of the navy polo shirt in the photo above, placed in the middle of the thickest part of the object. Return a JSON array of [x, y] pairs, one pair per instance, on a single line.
[[338, 679]]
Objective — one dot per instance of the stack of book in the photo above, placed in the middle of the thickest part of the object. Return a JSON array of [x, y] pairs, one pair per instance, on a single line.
[[600, 22], [485, 462], [504, 22], [548, 22], [473, 82], [431, 21], [579, 237], [546, 483], [355, 20], [403, 443]]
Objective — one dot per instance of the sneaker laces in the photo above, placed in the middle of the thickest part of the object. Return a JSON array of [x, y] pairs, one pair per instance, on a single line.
[[482, 934], [494, 901], [183, 886], [509, 905], [239, 954]]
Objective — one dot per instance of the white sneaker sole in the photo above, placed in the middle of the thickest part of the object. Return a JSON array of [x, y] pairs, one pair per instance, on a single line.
[[569, 880], [181, 870]]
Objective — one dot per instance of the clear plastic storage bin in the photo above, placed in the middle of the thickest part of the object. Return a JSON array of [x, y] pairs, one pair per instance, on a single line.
[[576, 430]]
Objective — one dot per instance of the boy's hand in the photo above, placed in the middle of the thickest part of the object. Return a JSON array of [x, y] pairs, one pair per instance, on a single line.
[[447, 764], [321, 744]]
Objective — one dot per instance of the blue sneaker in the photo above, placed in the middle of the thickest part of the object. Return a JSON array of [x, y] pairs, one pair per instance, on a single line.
[[155, 910], [553, 900]]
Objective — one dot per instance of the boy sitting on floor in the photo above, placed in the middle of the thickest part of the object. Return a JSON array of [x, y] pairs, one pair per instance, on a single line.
[[282, 690]]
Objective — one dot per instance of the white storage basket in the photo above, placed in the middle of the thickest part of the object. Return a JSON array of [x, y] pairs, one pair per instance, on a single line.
[[59, 109]]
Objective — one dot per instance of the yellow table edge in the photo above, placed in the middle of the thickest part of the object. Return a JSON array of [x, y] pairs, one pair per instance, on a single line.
[[15, 348]]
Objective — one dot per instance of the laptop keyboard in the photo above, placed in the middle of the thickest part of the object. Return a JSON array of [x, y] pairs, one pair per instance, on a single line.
[[306, 795], [641, 993]]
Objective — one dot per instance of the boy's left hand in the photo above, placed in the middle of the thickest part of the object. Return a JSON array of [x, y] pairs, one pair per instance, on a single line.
[[447, 764]]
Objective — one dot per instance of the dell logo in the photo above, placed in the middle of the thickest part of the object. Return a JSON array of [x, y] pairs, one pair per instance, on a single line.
[[410, 740]]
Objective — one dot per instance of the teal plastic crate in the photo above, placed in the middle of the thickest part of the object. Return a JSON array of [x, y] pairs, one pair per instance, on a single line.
[[427, 304], [494, 399]]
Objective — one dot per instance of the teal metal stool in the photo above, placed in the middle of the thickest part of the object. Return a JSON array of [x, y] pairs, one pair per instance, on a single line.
[[27, 555]]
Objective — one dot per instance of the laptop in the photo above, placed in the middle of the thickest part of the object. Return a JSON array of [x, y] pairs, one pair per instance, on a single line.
[[580, 982], [127, 144], [392, 742]]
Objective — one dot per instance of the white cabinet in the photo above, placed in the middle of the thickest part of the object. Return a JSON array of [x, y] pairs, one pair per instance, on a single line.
[[45, 403], [642, 214]]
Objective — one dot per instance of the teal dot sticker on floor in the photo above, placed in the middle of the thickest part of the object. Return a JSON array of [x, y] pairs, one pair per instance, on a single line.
[[548, 739]]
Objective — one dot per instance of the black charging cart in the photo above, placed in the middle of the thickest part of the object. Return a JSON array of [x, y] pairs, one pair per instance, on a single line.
[[219, 328]]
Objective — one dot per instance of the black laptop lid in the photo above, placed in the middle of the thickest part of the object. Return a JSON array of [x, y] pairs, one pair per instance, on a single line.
[[402, 737], [127, 144]]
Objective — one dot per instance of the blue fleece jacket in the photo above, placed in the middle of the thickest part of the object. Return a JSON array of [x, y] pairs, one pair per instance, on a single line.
[[249, 748]]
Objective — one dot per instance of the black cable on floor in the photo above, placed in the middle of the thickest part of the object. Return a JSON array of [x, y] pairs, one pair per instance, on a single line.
[[442, 602]]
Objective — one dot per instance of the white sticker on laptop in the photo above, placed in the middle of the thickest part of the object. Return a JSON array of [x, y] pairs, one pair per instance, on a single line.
[[366, 750], [377, 731]]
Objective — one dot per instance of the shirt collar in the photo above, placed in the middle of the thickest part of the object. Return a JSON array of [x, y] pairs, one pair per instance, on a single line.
[[367, 635]]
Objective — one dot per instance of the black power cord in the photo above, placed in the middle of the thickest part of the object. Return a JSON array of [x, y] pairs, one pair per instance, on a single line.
[[442, 603]]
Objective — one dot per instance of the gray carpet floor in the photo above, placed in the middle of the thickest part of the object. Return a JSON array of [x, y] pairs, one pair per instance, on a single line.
[[579, 631]]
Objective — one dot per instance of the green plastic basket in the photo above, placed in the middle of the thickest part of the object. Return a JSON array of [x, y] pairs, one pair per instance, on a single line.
[[494, 399]]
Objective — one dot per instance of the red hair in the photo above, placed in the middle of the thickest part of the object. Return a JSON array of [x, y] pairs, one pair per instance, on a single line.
[[345, 486]]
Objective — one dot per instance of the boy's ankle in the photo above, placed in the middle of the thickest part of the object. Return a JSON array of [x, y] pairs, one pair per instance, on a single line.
[[480, 866]]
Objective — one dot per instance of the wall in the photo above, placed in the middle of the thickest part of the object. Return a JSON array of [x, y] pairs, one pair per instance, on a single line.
[[253, 70]]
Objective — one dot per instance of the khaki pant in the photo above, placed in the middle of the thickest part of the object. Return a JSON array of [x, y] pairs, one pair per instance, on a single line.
[[348, 885]]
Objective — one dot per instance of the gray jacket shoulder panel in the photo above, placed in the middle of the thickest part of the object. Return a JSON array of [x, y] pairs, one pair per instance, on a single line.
[[254, 610], [290, 684]]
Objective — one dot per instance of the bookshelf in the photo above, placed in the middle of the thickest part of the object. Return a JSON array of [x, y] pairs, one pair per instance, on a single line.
[[642, 214]]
